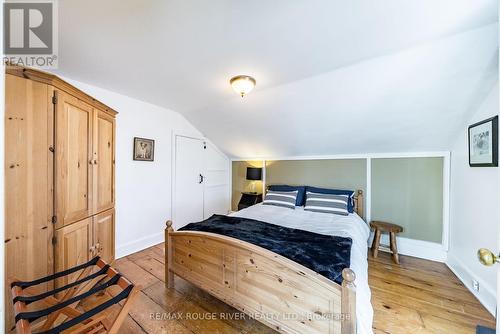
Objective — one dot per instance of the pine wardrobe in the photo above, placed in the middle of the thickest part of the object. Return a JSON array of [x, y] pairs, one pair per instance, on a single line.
[[59, 177]]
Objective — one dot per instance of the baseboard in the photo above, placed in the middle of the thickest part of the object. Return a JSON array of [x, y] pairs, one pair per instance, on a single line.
[[416, 248], [138, 245], [486, 294]]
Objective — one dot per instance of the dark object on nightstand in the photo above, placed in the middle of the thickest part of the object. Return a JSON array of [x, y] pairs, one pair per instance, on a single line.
[[392, 229], [249, 199]]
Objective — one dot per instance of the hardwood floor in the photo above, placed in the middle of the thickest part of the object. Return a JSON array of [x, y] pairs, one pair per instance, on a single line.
[[416, 296], [420, 296]]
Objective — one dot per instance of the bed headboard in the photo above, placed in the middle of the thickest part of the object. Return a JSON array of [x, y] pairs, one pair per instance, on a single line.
[[358, 202]]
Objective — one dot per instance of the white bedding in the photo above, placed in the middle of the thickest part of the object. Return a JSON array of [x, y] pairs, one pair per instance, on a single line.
[[329, 224]]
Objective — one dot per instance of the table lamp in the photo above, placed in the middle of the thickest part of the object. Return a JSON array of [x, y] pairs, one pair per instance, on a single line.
[[254, 174]]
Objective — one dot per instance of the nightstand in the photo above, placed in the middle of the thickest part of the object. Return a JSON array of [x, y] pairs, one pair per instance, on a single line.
[[249, 199]]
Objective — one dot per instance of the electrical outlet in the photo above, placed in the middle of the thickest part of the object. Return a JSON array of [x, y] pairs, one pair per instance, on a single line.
[[475, 285]]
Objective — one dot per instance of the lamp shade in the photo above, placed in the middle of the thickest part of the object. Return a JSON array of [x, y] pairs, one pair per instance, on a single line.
[[242, 84], [254, 173]]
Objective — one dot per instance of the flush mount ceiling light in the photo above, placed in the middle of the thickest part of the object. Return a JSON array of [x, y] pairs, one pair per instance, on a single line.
[[242, 84]]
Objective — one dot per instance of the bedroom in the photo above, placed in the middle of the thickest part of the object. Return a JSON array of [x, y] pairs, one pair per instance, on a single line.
[[240, 163]]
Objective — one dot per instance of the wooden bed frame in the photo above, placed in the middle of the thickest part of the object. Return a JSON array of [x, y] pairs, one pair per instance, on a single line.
[[274, 290]]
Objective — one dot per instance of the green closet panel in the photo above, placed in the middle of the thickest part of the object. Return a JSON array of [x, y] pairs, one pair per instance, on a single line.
[[409, 192]]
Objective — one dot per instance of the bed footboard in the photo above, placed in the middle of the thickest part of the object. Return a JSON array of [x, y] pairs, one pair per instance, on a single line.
[[274, 290]]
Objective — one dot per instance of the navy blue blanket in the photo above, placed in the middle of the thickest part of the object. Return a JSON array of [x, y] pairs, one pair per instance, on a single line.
[[326, 255]]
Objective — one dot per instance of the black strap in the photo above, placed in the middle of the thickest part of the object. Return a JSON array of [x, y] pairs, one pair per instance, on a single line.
[[32, 316], [30, 299], [70, 323], [24, 285]]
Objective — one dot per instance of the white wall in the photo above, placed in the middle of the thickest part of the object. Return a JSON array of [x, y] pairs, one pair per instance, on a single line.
[[143, 189], [474, 211]]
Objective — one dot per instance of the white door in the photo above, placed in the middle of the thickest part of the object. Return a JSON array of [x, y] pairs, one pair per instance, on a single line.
[[188, 181], [216, 188]]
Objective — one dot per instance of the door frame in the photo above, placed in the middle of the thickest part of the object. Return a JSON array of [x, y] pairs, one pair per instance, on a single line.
[[174, 172]]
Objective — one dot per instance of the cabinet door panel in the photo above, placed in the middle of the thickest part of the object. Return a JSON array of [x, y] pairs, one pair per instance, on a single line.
[[28, 183], [104, 235], [104, 159], [73, 248], [73, 159]]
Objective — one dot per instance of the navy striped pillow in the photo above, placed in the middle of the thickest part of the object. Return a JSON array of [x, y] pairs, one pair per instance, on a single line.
[[285, 199], [327, 203]]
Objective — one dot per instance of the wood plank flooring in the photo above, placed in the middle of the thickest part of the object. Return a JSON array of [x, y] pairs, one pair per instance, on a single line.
[[421, 296], [416, 296]]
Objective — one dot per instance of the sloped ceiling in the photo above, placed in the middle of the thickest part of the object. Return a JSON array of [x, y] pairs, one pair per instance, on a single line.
[[333, 76]]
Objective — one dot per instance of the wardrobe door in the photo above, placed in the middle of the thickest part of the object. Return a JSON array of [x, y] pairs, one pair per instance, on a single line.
[[104, 161], [104, 235], [73, 247], [28, 183], [74, 159]]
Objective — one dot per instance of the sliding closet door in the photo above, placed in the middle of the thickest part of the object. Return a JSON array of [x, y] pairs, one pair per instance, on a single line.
[[189, 178]]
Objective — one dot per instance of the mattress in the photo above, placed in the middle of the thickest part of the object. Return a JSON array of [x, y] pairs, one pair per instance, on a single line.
[[351, 226]]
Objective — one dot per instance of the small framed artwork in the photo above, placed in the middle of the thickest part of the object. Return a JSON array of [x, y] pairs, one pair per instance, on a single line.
[[483, 143], [144, 149]]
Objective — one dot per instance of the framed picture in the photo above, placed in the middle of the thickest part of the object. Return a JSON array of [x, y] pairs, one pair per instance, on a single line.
[[483, 143], [144, 149]]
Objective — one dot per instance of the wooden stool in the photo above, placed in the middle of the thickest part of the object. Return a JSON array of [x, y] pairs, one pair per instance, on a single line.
[[392, 229]]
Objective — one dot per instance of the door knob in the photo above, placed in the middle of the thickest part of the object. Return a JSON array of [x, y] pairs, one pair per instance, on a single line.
[[487, 257]]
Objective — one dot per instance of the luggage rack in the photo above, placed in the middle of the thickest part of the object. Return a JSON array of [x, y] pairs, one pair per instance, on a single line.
[[63, 301]]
